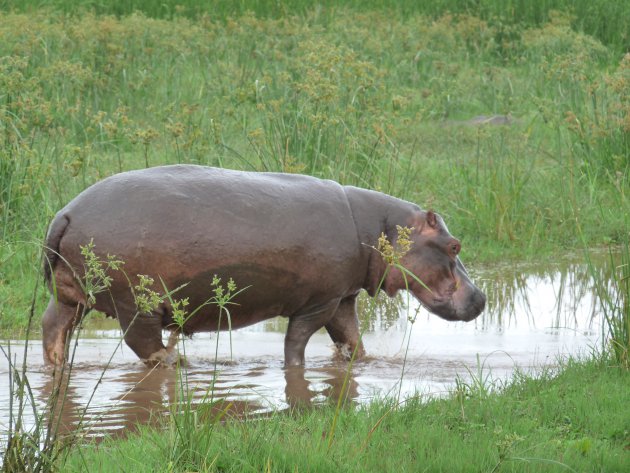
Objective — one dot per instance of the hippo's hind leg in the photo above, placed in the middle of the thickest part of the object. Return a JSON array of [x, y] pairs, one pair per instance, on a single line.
[[143, 334], [58, 323], [343, 329]]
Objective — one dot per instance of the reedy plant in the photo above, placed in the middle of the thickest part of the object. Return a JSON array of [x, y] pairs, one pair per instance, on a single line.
[[28, 448], [190, 422], [614, 298], [379, 104], [600, 18], [42, 446], [38, 447], [392, 254]]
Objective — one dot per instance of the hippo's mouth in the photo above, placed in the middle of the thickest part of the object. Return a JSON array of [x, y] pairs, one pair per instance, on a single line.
[[443, 307], [447, 309]]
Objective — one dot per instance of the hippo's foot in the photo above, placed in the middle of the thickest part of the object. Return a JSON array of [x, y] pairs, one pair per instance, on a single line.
[[343, 329], [346, 352], [164, 357], [167, 356]]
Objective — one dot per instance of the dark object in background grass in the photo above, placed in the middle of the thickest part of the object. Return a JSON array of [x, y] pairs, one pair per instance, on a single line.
[[493, 120], [304, 247]]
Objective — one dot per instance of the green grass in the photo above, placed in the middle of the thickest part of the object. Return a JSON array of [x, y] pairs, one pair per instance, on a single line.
[[368, 98], [375, 94], [614, 298], [575, 421], [606, 20]]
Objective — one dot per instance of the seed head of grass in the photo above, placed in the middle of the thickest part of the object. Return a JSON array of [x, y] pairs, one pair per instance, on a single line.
[[146, 299], [391, 254], [96, 279]]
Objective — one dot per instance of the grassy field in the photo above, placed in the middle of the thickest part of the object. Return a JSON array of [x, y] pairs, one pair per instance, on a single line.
[[604, 19], [379, 94], [381, 98]]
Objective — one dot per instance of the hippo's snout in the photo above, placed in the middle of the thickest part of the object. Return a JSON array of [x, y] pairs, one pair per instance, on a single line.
[[476, 304], [468, 300], [466, 304]]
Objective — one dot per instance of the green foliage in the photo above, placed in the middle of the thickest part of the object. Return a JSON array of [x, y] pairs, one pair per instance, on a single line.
[[96, 278], [606, 20], [392, 255], [378, 98], [614, 296], [147, 300]]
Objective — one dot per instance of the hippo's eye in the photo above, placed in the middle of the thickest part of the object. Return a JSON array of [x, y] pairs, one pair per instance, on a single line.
[[454, 248]]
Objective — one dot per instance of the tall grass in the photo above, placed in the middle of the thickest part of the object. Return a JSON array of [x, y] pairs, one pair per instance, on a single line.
[[614, 298], [378, 98], [619, 321], [42, 444], [29, 448], [606, 20], [36, 440], [371, 99]]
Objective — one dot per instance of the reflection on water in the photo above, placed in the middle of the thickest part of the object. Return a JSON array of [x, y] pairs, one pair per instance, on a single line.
[[534, 314]]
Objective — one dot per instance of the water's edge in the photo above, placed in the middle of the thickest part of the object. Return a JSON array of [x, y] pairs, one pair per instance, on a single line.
[[535, 315]]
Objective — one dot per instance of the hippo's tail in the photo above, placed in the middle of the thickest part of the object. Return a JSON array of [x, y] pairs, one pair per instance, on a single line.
[[51, 247]]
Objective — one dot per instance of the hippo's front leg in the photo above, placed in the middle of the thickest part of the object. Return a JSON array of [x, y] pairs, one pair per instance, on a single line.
[[301, 327], [143, 334], [343, 329]]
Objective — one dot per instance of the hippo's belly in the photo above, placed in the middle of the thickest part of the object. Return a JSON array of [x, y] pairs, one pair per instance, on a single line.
[[291, 242]]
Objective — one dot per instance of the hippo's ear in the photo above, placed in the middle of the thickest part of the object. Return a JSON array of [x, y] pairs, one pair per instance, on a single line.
[[431, 219]]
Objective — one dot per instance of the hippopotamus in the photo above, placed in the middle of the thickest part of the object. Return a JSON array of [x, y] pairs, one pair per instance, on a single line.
[[298, 246]]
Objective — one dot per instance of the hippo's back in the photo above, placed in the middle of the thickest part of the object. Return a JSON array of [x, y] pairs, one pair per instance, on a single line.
[[185, 220]]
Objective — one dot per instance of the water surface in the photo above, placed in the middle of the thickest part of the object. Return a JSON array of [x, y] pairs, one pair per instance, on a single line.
[[534, 316]]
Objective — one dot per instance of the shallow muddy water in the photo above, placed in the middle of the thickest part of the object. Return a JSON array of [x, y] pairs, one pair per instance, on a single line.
[[534, 316]]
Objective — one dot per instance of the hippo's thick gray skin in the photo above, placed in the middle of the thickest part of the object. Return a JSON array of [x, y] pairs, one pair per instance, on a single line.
[[303, 246]]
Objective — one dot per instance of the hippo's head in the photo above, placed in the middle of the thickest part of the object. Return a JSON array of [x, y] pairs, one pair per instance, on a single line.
[[433, 258]]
